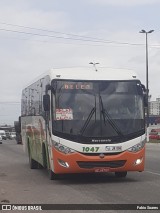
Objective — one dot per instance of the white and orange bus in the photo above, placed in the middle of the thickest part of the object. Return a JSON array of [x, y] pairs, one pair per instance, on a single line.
[[78, 120]]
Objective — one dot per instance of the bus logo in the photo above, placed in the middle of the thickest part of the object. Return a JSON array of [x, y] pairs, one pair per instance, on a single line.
[[101, 155]]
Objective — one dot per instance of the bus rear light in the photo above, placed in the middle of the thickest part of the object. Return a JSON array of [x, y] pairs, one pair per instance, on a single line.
[[63, 163], [138, 161]]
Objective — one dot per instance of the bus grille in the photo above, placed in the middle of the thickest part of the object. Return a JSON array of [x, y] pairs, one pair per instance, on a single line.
[[97, 154], [95, 164]]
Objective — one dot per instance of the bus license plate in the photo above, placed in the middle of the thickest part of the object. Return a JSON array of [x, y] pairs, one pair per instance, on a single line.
[[101, 170]]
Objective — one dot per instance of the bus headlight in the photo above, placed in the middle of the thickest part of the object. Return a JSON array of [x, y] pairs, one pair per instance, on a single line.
[[138, 161], [137, 147], [62, 148]]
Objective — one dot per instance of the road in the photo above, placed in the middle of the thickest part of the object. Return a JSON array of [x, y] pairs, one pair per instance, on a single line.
[[19, 184]]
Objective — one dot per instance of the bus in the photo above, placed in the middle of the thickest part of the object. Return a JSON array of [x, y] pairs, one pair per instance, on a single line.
[[78, 120]]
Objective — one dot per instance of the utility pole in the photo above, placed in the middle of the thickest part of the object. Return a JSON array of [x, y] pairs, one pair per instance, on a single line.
[[147, 87]]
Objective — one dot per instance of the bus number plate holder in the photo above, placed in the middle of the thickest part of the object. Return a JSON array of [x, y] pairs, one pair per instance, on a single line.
[[101, 170]]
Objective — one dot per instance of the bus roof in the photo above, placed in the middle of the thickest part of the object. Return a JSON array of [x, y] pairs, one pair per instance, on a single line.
[[87, 73], [91, 74]]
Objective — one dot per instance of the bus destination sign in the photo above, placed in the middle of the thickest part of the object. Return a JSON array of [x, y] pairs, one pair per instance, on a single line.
[[78, 86]]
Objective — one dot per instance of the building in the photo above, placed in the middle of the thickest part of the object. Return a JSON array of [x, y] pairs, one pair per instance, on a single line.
[[154, 112], [7, 128], [154, 107]]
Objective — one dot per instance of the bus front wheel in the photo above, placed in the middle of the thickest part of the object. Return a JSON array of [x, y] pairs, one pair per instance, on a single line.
[[52, 175], [120, 174]]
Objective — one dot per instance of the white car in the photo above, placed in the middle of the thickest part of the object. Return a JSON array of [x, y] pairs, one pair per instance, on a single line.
[[12, 135], [0, 139]]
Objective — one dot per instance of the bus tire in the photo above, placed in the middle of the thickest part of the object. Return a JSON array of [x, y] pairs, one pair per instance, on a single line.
[[52, 175], [120, 174], [32, 163]]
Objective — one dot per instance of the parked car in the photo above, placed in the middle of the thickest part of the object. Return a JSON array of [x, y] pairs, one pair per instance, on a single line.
[[154, 135], [3, 134], [0, 139], [12, 135], [8, 135]]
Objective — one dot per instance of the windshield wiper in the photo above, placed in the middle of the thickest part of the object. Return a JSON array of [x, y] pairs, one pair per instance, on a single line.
[[87, 121], [110, 120]]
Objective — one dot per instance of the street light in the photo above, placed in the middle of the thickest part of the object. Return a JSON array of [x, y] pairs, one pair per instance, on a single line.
[[147, 89]]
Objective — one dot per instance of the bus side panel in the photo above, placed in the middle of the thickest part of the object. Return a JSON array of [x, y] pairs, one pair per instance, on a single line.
[[33, 134]]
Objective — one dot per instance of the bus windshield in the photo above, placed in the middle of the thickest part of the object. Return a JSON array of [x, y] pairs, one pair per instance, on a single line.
[[97, 111]]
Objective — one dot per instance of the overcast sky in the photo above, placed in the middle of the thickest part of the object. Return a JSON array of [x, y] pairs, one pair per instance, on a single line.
[[36, 35]]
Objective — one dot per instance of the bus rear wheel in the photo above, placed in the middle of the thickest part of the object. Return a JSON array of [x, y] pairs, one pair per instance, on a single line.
[[32, 163], [120, 174]]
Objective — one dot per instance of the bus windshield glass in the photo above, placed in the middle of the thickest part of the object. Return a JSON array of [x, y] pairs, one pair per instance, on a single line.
[[104, 110]]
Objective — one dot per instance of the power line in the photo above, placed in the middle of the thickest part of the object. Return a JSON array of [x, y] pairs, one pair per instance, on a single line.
[[68, 43], [5, 115], [78, 37], [52, 31], [61, 37], [10, 102], [69, 34], [69, 38]]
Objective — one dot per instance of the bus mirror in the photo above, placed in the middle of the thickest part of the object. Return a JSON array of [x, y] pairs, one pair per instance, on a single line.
[[48, 87], [46, 102], [53, 90]]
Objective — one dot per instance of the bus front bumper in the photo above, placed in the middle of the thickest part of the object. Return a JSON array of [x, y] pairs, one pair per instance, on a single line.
[[84, 163]]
